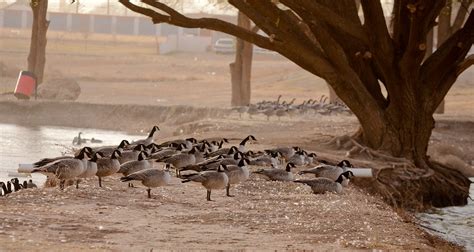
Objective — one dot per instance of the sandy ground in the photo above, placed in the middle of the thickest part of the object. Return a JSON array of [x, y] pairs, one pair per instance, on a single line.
[[263, 215]]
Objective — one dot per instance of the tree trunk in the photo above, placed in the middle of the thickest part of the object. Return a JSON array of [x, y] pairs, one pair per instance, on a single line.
[[36, 57], [240, 70]]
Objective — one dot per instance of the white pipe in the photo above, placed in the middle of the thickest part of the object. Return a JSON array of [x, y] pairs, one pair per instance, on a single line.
[[25, 168], [361, 172]]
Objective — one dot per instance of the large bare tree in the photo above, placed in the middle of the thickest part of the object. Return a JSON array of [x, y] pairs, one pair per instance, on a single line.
[[357, 56]]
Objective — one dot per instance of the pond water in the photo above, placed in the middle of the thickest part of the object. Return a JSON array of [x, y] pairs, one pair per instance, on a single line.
[[26, 145], [454, 223], [29, 144]]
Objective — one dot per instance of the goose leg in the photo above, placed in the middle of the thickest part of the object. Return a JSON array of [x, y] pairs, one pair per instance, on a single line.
[[149, 192], [77, 184], [227, 190], [100, 182], [209, 195]]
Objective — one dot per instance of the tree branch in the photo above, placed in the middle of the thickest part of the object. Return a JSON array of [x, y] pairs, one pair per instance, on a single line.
[[178, 19], [465, 64], [461, 15], [311, 10], [439, 72]]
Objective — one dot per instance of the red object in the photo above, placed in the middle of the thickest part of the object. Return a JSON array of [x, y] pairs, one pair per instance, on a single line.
[[25, 86]]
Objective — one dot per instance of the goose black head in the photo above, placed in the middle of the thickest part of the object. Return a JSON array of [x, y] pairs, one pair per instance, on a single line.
[[312, 154], [151, 147], [192, 151], [344, 175], [139, 147], [243, 162], [289, 166], [87, 150], [222, 168], [192, 140], [116, 154], [142, 155], [276, 154], [9, 186], [345, 163], [238, 155], [225, 140], [296, 148], [167, 167], [25, 184], [123, 143], [232, 150], [181, 147], [97, 155]]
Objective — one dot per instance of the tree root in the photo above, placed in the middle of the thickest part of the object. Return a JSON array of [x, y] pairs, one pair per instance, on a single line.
[[419, 189], [404, 185], [356, 149]]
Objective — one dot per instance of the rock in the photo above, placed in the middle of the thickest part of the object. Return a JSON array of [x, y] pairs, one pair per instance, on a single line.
[[61, 89]]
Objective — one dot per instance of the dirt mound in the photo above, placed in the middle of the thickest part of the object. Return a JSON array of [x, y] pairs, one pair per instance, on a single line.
[[8, 71], [62, 89]]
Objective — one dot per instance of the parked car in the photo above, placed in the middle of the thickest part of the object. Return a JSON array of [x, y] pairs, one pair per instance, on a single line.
[[224, 45]]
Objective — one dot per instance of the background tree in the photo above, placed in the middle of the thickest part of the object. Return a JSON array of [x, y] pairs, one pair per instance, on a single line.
[[328, 39], [36, 57]]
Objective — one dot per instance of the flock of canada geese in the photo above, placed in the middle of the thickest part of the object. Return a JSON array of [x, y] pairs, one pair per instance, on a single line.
[[281, 108], [211, 162]]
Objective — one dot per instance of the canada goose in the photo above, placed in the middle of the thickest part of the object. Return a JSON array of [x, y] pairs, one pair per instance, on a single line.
[[269, 113], [310, 158], [253, 110], [46, 161], [211, 180], [298, 159], [181, 160], [90, 167], [3, 189], [9, 187], [236, 174], [223, 151], [322, 185], [286, 152], [266, 159], [188, 143], [31, 184], [24, 185], [149, 139], [281, 112], [16, 184], [95, 140], [108, 166], [65, 169], [133, 166], [241, 110], [328, 171], [150, 178], [242, 144], [166, 153], [213, 163], [130, 155], [78, 140], [107, 150], [278, 174]]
